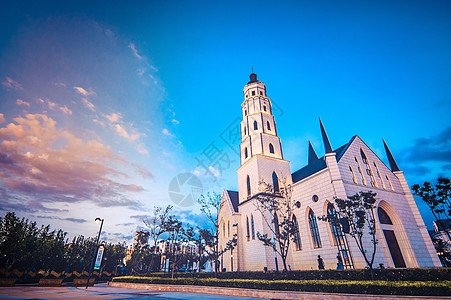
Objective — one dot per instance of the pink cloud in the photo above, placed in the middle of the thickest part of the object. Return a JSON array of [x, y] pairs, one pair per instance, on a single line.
[[21, 102], [10, 84], [84, 92], [88, 104], [65, 110], [2, 118], [39, 161]]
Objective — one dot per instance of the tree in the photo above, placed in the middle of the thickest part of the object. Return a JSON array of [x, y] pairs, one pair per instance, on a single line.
[[276, 209], [438, 199], [357, 214], [157, 223], [210, 205]]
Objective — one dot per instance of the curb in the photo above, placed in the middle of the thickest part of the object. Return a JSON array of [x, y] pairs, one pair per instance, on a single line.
[[237, 292]]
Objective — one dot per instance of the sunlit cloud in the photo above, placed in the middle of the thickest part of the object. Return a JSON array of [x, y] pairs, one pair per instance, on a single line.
[[166, 132], [2, 118], [88, 104], [65, 110], [122, 129], [21, 102], [83, 91], [47, 102], [114, 117], [176, 122], [10, 84], [135, 51], [40, 161], [141, 149]]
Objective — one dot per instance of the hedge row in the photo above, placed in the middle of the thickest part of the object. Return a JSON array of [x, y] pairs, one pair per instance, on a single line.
[[433, 274], [412, 288]]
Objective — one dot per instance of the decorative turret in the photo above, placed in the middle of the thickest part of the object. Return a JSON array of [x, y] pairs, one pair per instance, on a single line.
[[312, 156], [327, 146], [391, 160]]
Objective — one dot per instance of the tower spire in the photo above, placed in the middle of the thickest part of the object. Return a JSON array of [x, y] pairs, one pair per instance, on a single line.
[[312, 157], [391, 160], [326, 142]]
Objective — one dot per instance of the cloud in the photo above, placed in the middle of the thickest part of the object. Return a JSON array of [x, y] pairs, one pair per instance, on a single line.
[[2, 120], [135, 51], [59, 84], [88, 104], [114, 117], [141, 149], [50, 104], [176, 122], [21, 102], [143, 171], [435, 148], [84, 92], [40, 162], [120, 130], [75, 220], [65, 110], [167, 133], [10, 84], [129, 133]]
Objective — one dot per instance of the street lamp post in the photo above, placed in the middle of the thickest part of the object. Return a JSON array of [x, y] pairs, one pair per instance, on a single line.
[[95, 250]]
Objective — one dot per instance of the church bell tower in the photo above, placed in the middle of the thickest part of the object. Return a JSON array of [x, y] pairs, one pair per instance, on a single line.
[[261, 149]]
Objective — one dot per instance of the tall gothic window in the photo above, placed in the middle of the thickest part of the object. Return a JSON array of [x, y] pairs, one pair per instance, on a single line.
[[275, 182], [271, 148], [314, 230], [247, 229], [245, 152], [276, 224], [255, 125], [228, 228], [248, 185], [297, 235], [253, 227], [335, 230], [223, 229], [268, 125], [383, 216], [365, 161]]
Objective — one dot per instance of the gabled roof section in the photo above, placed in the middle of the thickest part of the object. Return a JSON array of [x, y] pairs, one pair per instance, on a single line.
[[309, 170], [233, 196], [319, 164]]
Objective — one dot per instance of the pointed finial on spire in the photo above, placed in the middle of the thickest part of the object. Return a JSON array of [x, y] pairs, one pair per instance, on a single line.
[[391, 160], [312, 157], [326, 142], [252, 67]]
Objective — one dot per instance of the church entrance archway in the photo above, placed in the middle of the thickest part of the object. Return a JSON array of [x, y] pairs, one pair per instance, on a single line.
[[390, 238]]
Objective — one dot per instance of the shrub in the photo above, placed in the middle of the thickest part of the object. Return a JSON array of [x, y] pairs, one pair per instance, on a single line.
[[416, 288]]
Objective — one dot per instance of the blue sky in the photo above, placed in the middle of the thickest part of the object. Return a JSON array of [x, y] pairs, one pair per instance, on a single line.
[[129, 95]]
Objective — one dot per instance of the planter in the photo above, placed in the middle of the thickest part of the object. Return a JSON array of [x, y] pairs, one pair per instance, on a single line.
[[82, 282], [8, 281], [50, 282]]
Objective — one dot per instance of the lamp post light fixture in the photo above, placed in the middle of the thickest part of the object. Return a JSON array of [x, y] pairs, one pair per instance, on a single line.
[[95, 250]]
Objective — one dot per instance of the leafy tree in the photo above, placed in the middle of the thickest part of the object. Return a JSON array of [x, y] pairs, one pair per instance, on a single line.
[[438, 199], [210, 206], [277, 211], [357, 213]]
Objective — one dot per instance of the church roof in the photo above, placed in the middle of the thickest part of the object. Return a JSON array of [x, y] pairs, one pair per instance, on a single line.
[[319, 164], [234, 199]]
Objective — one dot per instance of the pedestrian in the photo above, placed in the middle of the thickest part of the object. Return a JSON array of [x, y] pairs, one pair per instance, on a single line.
[[340, 262], [320, 263]]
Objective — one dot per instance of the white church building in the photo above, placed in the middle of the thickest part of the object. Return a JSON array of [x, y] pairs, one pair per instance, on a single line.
[[404, 241]]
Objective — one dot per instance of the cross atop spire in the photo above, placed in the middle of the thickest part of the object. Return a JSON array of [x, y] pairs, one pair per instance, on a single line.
[[312, 156], [327, 146], [252, 68], [391, 160]]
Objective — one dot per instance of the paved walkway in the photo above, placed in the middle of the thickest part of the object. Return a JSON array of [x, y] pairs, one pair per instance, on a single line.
[[99, 291]]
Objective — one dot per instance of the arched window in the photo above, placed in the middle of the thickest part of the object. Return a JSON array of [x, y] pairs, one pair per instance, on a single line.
[[247, 229], [264, 106], [271, 148], [314, 230], [276, 224], [248, 186], [228, 228], [297, 235], [245, 130], [223, 229], [335, 228], [245, 112], [245, 152], [268, 125], [383, 216], [253, 227], [255, 125], [365, 161], [275, 182]]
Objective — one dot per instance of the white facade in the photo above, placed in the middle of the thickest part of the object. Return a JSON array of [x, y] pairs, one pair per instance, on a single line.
[[354, 167]]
